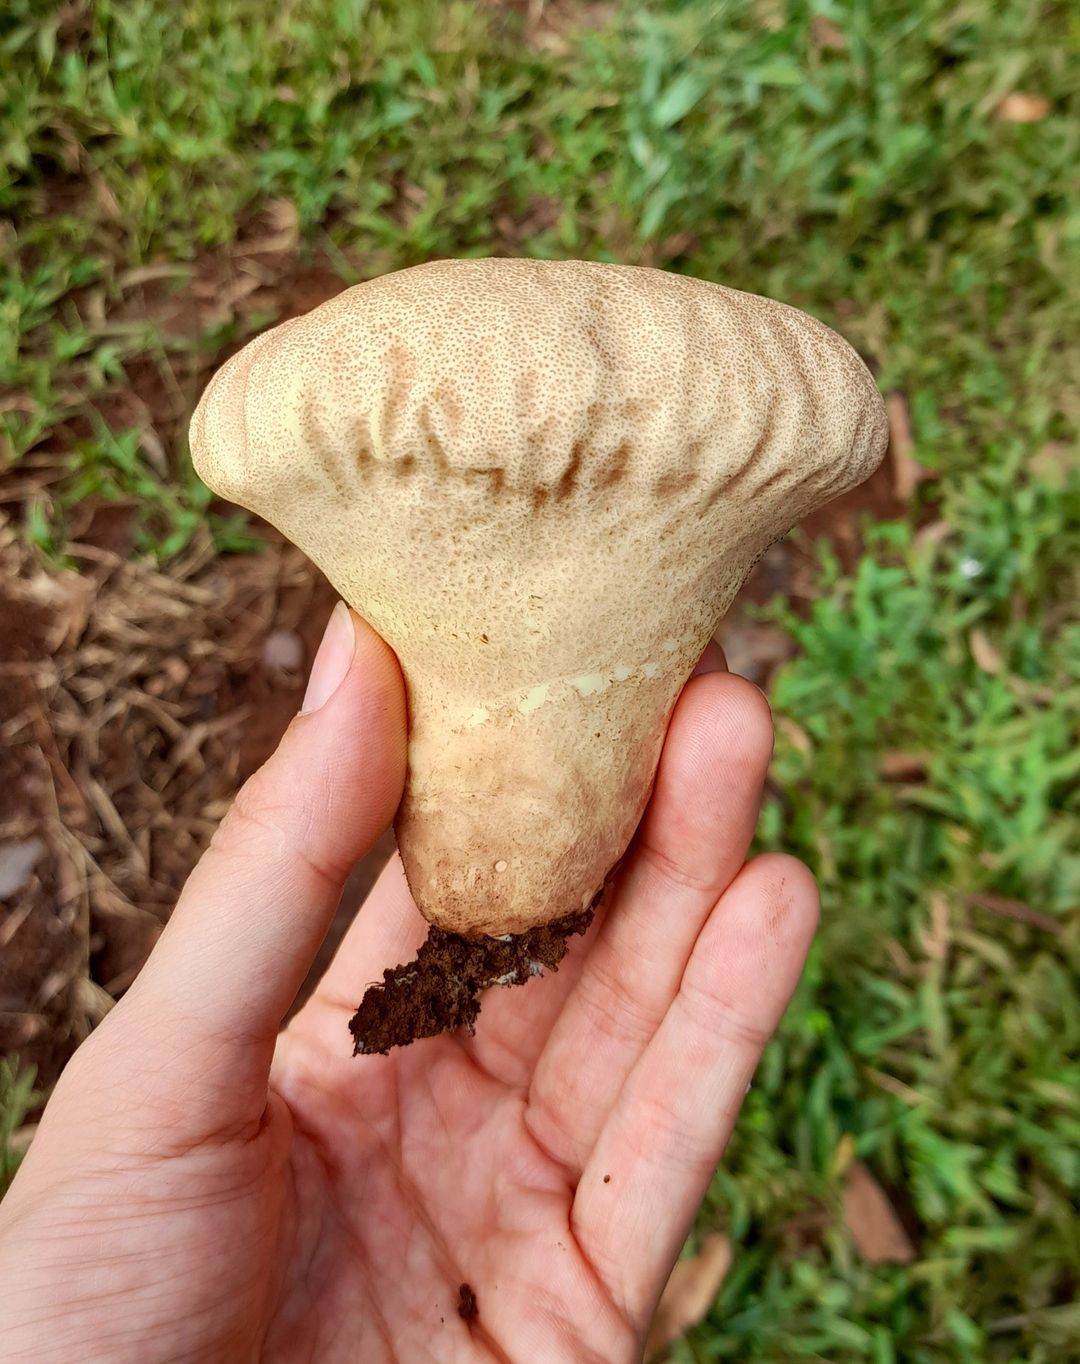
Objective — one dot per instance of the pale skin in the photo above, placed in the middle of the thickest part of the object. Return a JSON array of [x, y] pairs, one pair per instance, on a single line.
[[205, 1187]]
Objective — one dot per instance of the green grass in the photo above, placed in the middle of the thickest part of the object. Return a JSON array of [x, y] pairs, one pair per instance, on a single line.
[[17, 1099], [869, 182]]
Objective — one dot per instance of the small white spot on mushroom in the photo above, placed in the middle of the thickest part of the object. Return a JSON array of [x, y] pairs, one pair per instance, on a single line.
[[669, 646], [588, 684], [536, 968], [650, 669], [500, 865], [621, 672], [533, 699], [508, 979], [476, 717]]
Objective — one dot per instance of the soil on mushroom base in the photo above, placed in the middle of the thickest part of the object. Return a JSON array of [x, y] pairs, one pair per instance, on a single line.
[[441, 989]]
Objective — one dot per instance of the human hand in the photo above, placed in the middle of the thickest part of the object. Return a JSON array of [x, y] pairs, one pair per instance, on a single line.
[[202, 1188]]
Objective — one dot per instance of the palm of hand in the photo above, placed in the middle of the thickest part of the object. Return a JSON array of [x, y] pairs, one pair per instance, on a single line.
[[201, 1189], [420, 1176], [345, 1225]]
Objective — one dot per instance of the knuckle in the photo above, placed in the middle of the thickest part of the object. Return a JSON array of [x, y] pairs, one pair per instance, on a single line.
[[259, 823], [717, 1019]]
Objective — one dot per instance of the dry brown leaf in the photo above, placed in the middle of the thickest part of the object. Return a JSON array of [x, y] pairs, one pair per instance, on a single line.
[[872, 1221], [72, 609], [908, 473], [984, 653], [901, 962], [20, 1139], [690, 1292], [243, 286], [936, 533], [899, 766], [151, 445], [754, 648], [106, 201], [662, 253], [1055, 463], [1020, 106], [937, 936], [1015, 909], [770, 15], [806, 1231], [896, 1087], [282, 217], [553, 28], [796, 736], [153, 274], [825, 34]]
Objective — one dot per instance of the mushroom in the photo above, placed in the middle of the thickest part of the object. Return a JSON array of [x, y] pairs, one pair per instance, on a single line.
[[542, 483]]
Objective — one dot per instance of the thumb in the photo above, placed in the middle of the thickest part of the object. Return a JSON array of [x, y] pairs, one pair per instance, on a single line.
[[256, 908]]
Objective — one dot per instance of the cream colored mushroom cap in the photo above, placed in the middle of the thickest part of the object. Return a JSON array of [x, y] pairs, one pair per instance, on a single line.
[[542, 483]]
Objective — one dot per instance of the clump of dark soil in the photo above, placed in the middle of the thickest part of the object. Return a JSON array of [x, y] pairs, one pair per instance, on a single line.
[[467, 1306], [439, 991]]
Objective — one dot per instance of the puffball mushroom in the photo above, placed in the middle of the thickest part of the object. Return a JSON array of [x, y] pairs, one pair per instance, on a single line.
[[542, 483]]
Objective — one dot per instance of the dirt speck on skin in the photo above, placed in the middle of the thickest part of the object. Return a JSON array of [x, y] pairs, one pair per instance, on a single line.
[[439, 991], [467, 1308]]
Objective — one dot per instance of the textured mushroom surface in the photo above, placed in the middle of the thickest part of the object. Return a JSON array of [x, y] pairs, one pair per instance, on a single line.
[[542, 483]]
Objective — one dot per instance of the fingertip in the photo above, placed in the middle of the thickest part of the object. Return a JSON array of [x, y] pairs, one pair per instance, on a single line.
[[709, 783], [376, 667], [724, 715], [787, 893], [363, 718]]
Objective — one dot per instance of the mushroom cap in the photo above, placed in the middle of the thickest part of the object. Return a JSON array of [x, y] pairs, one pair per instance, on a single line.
[[542, 483]]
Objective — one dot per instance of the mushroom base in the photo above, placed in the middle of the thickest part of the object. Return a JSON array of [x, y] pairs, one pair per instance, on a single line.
[[439, 990]]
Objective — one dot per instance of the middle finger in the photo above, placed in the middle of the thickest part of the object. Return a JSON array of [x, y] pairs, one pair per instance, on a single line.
[[692, 842]]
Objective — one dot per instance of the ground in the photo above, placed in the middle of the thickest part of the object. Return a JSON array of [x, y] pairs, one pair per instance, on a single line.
[[902, 1183]]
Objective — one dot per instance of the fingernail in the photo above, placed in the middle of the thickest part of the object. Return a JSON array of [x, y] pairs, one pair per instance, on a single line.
[[333, 660]]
